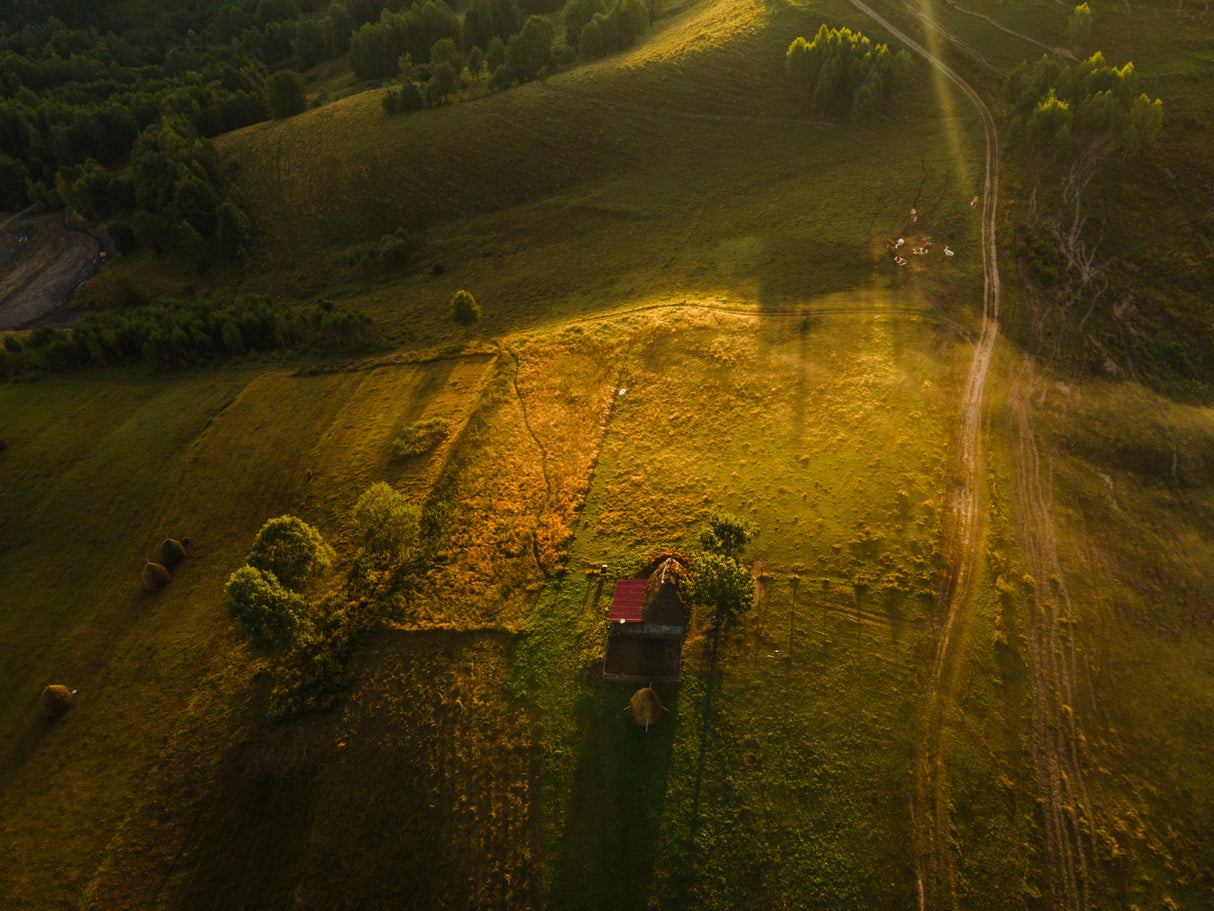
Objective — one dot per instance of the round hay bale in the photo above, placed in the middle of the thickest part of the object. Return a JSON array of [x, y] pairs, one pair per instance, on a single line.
[[155, 577], [54, 701], [172, 552], [645, 708]]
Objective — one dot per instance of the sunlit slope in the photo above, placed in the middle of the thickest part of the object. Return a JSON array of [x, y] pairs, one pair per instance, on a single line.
[[347, 171], [687, 165]]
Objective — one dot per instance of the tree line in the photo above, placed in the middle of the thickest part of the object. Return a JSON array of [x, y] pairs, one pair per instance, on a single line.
[[185, 333]]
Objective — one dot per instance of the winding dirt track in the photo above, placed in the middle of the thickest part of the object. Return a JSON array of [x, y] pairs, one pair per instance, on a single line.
[[934, 864]]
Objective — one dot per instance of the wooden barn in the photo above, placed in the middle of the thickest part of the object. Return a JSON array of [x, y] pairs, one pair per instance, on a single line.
[[646, 626]]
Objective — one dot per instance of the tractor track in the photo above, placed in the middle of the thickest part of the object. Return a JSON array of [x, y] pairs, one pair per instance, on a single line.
[[1053, 663]]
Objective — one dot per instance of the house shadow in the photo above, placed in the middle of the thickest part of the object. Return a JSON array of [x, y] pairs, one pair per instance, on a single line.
[[609, 848]]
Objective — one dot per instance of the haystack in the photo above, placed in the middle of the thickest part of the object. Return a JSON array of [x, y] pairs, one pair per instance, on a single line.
[[155, 577], [645, 708], [172, 551], [54, 701]]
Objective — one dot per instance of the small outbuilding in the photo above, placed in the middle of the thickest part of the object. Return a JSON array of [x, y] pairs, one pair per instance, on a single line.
[[646, 626]]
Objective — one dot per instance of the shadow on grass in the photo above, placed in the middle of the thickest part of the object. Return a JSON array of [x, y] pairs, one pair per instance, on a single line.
[[609, 847]]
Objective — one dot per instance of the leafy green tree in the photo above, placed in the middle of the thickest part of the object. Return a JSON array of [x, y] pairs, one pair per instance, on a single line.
[[1079, 25], [530, 51], [267, 613], [444, 81], [291, 549], [445, 51], [476, 62], [720, 584], [309, 44], [285, 95], [495, 57], [591, 43], [464, 309], [388, 522], [727, 534], [235, 236], [578, 14]]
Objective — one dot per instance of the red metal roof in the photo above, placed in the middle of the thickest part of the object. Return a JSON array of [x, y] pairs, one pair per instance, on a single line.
[[626, 602]]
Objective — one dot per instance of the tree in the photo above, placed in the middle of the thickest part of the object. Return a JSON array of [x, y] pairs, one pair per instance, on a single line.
[[388, 523], [530, 51], [476, 62], [719, 583], [727, 534], [495, 57], [1079, 25], [285, 95], [465, 310], [291, 549], [444, 81], [266, 612]]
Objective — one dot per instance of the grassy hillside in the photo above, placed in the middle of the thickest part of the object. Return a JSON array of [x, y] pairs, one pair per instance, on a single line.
[[688, 306]]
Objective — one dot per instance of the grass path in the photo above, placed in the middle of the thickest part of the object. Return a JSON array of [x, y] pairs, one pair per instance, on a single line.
[[935, 866]]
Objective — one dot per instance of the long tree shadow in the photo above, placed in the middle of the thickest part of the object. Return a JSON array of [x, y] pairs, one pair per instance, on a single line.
[[608, 851], [684, 879]]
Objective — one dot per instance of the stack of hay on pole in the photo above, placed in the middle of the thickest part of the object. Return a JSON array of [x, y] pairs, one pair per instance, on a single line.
[[645, 708]]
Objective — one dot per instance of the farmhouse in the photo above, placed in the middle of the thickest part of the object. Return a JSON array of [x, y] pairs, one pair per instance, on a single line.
[[647, 620]]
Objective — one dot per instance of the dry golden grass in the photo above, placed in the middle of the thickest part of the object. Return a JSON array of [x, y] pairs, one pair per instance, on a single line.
[[517, 478]]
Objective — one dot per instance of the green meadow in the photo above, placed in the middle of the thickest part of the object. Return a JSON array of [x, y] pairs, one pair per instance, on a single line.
[[688, 306]]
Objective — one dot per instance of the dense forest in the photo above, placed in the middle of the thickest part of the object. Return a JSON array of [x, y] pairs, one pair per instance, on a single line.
[[112, 113]]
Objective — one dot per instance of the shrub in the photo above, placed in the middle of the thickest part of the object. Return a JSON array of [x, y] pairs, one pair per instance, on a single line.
[[418, 438], [290, 549], [464, 309], [388, 523]]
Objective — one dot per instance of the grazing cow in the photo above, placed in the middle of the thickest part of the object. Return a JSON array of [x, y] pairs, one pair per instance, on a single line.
[[948, 252]]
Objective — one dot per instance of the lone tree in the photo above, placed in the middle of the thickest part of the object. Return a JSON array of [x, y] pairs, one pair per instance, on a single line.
[[719, 583], [291, 549], [465, 310], [388, 522], [727, 534]]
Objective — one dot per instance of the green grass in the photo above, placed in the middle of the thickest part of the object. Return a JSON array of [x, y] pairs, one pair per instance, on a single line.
[[666, 222], [1139, 547], [775, 774]]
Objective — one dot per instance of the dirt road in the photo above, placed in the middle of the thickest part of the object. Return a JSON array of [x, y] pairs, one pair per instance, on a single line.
[[934, 860]]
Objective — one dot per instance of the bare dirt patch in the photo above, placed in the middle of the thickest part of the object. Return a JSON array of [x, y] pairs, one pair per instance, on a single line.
[[44, 260]]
